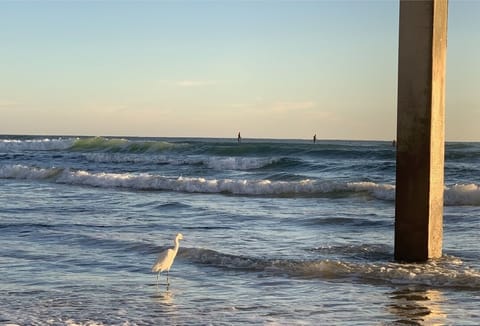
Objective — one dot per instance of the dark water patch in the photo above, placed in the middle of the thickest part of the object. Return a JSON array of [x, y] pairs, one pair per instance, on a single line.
[[285, 176], [285, 163], [248, 149], [352, 153], [346, 221], [207, 228], [23, 226], [30, 255], [172, 206], [14, 156], [73, 227], [155, 205], [468, 155]]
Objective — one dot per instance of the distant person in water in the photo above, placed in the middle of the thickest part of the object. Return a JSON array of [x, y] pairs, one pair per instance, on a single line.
[[314, 138], [394, 143], [239, 138]]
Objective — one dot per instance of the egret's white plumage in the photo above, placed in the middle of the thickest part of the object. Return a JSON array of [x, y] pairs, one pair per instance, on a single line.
[[165, 258]]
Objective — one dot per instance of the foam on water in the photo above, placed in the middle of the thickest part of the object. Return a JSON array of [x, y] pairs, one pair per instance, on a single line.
[[146, 181], [27, 173], [216, 163], [456, 195], [446, 272], [463, 194], [379, 191], [44, 144]]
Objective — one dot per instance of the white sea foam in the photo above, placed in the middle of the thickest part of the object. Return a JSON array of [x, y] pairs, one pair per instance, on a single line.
[[456, 195], [238, 163], [431, 273], [147, 181], [45, 144], [447, 272], [468, 194], [462, 194], [215, 163], [380, 191], [26, 172]]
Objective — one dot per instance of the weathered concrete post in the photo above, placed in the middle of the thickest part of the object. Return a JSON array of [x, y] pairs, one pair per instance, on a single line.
[[420, 130]]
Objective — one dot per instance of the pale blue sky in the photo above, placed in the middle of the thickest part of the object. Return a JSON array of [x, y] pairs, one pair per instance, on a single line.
[[209, 69]]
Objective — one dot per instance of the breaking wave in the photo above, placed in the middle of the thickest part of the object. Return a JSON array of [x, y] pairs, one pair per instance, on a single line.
[[23, 172], [147, 181], [462, 195], [456, 195], [88, 144], [43, 144], [123, 145], [445, 272], [216, 163]]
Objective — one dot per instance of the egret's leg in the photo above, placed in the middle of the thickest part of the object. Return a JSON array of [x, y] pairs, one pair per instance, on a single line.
[[168, 282], [157, 278]]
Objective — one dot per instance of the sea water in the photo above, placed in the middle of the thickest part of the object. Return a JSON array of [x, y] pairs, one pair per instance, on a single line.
[[276, 232]]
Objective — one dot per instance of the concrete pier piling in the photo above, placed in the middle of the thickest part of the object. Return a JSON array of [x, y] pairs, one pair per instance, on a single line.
[[420, 130]]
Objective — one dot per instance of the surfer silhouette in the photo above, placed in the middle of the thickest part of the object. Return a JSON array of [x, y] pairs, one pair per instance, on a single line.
[[239, 138], [314, 138]]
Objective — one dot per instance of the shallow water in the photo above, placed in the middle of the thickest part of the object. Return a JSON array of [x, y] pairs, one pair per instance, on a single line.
[[276, 233]]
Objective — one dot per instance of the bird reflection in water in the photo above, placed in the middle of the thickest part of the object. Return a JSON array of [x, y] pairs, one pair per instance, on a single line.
[[417, 306], [165, 298], [164, 306]]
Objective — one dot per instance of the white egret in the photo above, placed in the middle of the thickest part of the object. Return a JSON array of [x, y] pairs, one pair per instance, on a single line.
[[165, 258]]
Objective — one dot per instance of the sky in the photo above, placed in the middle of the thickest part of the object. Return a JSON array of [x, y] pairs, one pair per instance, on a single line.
[[270, 69]]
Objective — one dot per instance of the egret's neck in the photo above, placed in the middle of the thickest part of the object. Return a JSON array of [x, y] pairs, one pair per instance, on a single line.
[[177, 244]]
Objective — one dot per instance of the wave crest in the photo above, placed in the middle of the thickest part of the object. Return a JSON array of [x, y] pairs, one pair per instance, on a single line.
[[122, 145], [468, 194], [27, 173], [462, 195], [44, 144], [446, 272], [215, 163]]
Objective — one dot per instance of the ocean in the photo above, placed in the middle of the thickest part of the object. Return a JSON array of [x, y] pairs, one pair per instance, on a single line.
[[276, 232]]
